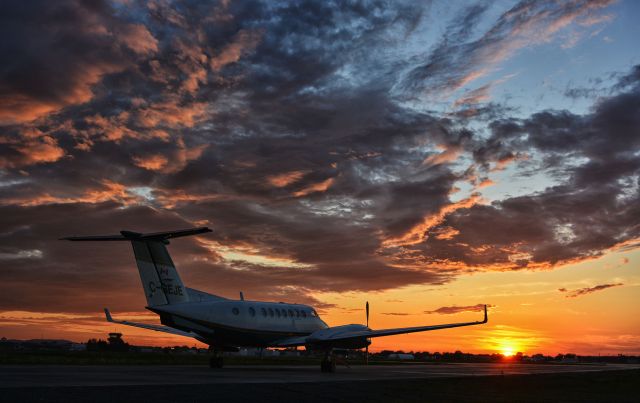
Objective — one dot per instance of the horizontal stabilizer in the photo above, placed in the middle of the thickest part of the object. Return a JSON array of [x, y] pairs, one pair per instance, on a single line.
[[136, 236], [157, 328]]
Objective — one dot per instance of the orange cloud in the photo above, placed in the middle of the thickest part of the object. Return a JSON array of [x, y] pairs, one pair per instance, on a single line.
[[152, 162], [445, 233], [449, 154], [138, 38], [111, 128], [418, 233], [315, 188], [179, 159], [588, 290], [170, 113], [23, 108], [109, 191], [33, 147], [285, 179], [244, 42], [486, 183]]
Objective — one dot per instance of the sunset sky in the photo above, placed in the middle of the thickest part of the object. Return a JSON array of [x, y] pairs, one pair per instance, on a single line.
[[427, 157]]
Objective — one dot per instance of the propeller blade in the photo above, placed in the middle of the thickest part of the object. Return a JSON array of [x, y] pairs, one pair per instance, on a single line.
[[367, 313], [366, 351]]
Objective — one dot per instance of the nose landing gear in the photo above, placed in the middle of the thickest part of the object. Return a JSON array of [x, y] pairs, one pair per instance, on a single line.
[[216, 361], [328, 363]]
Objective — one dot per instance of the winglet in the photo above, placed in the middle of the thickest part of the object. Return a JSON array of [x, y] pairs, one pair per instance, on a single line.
[[108, 315], [486, 319]]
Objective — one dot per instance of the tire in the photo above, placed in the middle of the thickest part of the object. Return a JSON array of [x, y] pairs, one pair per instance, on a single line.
[[328, 366], [216, 362]]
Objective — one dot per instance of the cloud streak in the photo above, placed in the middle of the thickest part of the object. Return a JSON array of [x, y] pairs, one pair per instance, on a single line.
[[588, 290], [451, 310]]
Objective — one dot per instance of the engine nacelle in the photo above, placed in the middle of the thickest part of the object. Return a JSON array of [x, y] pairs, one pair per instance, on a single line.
[[322, 339]]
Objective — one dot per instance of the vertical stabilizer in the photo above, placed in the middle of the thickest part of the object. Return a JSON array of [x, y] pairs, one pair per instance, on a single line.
[[160, 279]]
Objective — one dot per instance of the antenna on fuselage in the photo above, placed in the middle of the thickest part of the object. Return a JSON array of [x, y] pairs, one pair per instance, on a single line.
[[241, 296], [366, 351]]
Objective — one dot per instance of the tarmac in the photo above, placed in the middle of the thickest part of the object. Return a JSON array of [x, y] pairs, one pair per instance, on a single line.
[[30, 376]]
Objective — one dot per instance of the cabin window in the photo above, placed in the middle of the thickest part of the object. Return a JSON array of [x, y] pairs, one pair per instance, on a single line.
[[264, 312], [297, 313], [252, 311], [235, 311], [304, 314], [290, 313], [284, 313], [278, 312], [271, 312]]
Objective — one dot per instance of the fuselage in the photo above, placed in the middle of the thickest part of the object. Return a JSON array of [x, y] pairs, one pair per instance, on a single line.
[[232, 323]]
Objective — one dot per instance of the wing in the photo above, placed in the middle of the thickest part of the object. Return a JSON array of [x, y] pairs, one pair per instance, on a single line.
[[157, 328], [341, 334]]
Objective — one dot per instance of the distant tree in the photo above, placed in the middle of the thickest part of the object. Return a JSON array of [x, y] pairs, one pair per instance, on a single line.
[[97, 345]]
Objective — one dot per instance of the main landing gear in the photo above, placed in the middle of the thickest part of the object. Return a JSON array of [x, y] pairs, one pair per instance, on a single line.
[[328, 363], [216, 360]]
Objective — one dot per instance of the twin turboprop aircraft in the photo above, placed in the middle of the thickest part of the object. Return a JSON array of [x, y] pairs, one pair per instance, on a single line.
[[225, 324]]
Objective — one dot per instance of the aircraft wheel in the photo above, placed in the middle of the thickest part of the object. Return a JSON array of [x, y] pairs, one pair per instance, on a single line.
[[216, 362], [328, 366]]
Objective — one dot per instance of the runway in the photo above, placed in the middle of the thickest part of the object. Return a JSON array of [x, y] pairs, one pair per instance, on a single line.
[[20, 376]]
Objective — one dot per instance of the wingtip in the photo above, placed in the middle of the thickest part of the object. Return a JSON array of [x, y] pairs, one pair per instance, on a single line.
[[486, 318], [108, 315]]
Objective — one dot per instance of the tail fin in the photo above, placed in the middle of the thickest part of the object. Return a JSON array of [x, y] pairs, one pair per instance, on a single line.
[[158, 274]]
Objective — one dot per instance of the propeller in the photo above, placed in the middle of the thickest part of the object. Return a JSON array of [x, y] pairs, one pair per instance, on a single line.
[[366, 353]]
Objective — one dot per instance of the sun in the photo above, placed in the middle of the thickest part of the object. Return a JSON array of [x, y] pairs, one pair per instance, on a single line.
[[507, 351]]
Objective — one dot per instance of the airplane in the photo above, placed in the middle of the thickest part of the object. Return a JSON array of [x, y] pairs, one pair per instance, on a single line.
[[226, 324]]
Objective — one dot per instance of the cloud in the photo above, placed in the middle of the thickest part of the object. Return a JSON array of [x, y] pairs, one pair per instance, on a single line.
[[56, 61], [450, 310], [292, 138], [457, 60], [588, 290], [154, 162], [315, 188], [285, 179], [244, 41]]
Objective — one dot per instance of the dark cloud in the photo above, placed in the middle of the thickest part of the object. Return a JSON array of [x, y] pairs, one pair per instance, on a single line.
[[588, 290], [59, 51], [283, 126]]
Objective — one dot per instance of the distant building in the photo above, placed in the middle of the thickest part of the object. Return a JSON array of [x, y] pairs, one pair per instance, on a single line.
[[401, 356]]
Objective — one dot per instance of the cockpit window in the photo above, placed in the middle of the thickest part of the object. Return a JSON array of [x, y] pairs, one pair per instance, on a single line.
[[313, 313]]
